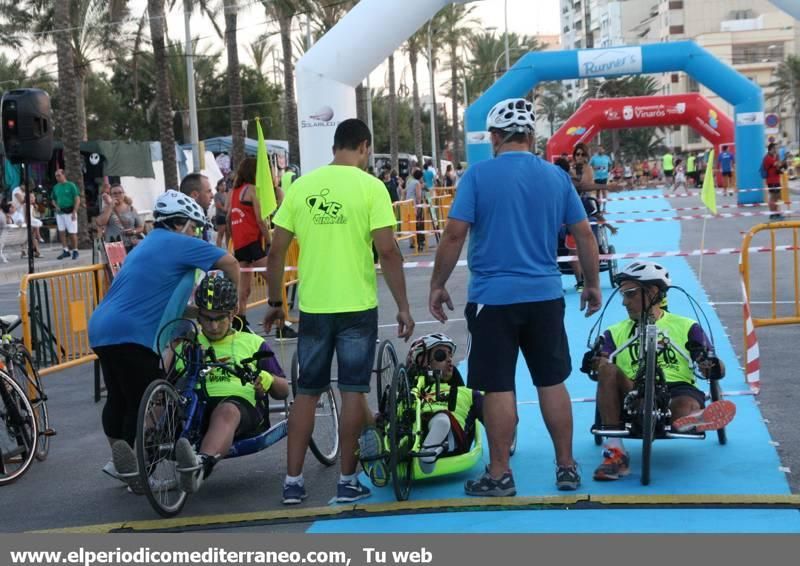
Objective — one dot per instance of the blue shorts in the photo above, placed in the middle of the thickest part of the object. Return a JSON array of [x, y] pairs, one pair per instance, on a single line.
[[351, 335]]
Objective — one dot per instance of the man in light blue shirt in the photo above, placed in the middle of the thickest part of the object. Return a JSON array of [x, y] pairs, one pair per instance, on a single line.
[[726, 161], [601, 166], [513, 207], [428, 175]]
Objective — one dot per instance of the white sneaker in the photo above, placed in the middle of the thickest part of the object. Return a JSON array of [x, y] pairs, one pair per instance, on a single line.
[[164, 484], [189, 466], [111, 470]]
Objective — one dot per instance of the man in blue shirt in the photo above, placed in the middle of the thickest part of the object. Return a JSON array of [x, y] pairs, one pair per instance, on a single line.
[[726, 161], [601, 165], [428, 175], [513, 207]]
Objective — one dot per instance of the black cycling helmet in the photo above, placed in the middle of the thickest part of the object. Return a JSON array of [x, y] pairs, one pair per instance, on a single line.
[[216, 293]]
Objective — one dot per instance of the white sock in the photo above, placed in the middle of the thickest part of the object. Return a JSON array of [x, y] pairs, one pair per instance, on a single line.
[[438, 431], [351, 478], [294, 480], [613, 442]]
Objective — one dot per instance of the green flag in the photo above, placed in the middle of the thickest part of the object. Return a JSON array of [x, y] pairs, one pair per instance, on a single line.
[[709, 194], [265, 191]]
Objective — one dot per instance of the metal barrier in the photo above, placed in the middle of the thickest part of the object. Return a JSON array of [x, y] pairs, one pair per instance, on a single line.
[[258, 287], [745, 268], [55, 307]]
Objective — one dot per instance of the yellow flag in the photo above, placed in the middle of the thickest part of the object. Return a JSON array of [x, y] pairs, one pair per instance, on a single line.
[[709, 194], [265, 191]]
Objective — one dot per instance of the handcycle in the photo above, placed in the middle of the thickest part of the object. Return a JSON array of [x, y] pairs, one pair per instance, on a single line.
[[601, 230], [173, 407], [24, 425], [646, 413]]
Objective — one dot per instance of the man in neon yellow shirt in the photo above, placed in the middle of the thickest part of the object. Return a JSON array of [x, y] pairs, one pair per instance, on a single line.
[[232, 408], [336, 212], [643, 284], [668, 166]]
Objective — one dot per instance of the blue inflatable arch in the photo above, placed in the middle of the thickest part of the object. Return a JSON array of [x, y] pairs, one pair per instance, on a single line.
[[744, 95]]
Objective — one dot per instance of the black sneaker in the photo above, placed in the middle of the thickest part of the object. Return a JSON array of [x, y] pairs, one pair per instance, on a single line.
[[285, 334], [568, 478], [487, 486], [63, 255], [293, 493]]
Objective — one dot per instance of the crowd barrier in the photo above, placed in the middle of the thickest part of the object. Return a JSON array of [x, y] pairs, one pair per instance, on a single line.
[[776, 231], [55, 307], [258, 287]]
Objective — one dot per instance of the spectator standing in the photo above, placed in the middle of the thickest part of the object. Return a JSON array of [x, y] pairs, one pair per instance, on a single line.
[[428, 175], [515, 300], [680, 176], [449, 177], [66, 200], [335, 212], [774, 167], [196, 185], [416, 191], [119, 220], [390, 184], [221, 212], [601, 165], [726, 161], [668, 166], [459, 172], [691, 169]]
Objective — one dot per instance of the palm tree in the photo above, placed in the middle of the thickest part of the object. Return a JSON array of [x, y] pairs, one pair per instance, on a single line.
[[260, 51], [234, 83], [70, 131], [487, 50], [413, 46], [393, 133], [549, 103], [455, 23], [786, 88], [155, 9]]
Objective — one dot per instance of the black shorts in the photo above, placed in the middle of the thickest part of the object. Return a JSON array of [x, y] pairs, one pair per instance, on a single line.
[[251, 253], [686, 390], [497, 333], [774, 189], [220, 220], [250, 416], [727, 173], [668, 172], [601, 181]]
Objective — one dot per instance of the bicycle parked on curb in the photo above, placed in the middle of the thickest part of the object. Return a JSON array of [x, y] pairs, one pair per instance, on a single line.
[[172, 408], [24, 425]]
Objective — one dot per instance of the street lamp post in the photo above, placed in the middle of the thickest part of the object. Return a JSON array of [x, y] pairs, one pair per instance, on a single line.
[[193, 128], [433, 106], [508, 65], [505, 35]]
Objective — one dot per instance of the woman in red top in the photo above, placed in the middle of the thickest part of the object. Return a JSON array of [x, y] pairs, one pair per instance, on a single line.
[[249, 231], [773, 166]]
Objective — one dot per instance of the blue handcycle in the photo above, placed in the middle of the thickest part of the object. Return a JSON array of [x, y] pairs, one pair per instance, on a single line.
[[173, 407]]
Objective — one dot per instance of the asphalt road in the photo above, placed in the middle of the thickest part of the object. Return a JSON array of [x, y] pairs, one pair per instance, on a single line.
[[69, 489]]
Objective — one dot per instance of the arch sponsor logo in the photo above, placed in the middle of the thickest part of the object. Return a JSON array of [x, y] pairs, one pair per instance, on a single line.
[[322, 117], [576, 131], [479, 137], [602, 62]]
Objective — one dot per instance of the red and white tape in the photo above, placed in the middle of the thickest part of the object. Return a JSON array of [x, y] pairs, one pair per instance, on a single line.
[[684, 217], [676, 195], [684, 208], [752, 370]]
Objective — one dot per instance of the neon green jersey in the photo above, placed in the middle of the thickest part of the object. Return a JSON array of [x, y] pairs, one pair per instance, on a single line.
[[666, 161], [233, 348], [463, 401], [670, 326], [690, 164], [286, 180], [332, 211]]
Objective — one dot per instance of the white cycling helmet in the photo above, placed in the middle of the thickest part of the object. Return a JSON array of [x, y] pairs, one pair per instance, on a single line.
[[512, 115], [174, 204], [428, 343], [645, 272]]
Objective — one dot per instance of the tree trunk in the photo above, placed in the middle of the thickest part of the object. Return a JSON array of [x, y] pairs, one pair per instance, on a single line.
[[290, 108], [186, 127], [361, 102], [454, 97], [234, 84], [393, 133], [68, 130], [80, 90], [166, 136], [413, 57]]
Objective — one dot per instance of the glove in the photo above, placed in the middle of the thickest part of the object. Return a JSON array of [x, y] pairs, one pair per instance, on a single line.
[[266, 379], [706, 359]]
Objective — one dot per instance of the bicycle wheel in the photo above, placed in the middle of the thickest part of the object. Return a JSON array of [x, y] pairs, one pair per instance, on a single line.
[[384, 367], [613, 268], [648, 403], [324, 443], [28, 377], [158, 428], [18, 431], [716, 395], [401, 434]]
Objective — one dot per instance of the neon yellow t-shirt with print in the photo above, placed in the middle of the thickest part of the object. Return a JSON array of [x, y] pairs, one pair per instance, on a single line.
[[332, 212], [233, 348]]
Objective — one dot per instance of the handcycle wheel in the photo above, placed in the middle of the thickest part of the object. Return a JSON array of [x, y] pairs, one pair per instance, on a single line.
[[716, 395], [29, 377], [648, 406], [613, 267], [18, 431], [324, 443], [401, 434], [159, 425], [385, 365]]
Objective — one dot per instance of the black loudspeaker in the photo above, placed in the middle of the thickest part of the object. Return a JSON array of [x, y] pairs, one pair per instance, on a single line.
[[27, 125]]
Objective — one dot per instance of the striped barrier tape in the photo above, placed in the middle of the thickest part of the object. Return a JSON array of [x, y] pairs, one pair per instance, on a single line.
[[568, 258], [686, 208], [680, 218], [675, 195]]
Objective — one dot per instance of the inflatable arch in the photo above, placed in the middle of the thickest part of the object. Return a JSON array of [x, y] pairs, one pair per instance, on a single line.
[[598, 114], [745, 96]]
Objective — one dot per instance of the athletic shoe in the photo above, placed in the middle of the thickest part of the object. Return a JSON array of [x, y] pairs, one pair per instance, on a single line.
[[64, 254], [717, 415], [165, 484], [370, 452], [74, 254], [188, 465], [579, 286], [110, 470], [347, 492], [567, 478], [293, 493], [127, 468], [616, 464], [285, 334], [487, 486]]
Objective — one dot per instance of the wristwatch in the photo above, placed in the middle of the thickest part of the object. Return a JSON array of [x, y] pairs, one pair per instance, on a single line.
[[275, 304]]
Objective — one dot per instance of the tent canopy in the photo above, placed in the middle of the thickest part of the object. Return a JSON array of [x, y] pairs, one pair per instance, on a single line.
[[224, 144]]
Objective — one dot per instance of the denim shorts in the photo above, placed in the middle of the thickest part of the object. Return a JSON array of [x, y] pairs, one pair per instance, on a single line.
[[351, 335]]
